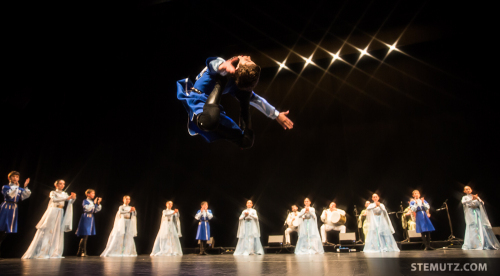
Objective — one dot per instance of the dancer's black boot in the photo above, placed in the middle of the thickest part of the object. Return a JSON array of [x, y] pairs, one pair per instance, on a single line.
[[208, 120], [426, 241], [82, 247], [202, 247], [428, 237], [85, 247]]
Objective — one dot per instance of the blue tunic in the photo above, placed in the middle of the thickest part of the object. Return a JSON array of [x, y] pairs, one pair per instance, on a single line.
[[8, 209], [422, 221], [205, 83], [203, 232], [86, 226]]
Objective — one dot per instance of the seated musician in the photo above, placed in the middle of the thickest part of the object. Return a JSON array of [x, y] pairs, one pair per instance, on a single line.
[[333, 219], [362, 222], [410, 218], [293, 222]]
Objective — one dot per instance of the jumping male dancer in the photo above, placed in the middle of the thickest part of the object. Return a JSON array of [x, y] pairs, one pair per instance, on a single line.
[[238, 77]]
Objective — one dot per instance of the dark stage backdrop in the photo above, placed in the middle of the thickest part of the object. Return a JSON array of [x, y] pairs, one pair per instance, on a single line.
[[90, 97]]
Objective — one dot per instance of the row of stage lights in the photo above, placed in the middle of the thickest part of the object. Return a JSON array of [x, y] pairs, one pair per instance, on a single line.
[[336, 56]]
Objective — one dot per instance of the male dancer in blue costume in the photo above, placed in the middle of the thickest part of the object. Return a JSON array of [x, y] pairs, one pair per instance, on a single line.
[[424, 224], [86, 226], [237, 76], [203, 233], [12, 194]]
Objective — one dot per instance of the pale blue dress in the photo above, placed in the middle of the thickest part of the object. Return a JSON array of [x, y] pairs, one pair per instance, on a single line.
[[309, 239], [380, 231], [249, 234], [167, 241], [478, 232]]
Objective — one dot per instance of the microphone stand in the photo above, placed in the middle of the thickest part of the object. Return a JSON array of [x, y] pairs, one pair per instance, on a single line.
[[284, 226], [287, 213], [359, 233], [405, 231], [452, 237]]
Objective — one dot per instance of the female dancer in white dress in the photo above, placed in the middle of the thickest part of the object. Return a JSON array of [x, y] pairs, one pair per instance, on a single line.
[[478, 232], [49, 238], [167, 241], [309, 239], [379, 237], [121, 240], [249, 233]]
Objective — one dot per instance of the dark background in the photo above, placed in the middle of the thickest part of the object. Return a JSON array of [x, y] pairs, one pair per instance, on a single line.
[[89, 97]]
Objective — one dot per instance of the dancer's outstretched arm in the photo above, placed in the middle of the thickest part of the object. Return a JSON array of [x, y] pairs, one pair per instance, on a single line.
[[270, 111]]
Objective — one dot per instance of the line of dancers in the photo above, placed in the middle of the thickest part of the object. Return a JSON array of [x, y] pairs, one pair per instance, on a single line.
[[377, 227]]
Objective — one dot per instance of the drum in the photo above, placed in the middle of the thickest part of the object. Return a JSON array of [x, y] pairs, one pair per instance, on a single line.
[[338, 218]]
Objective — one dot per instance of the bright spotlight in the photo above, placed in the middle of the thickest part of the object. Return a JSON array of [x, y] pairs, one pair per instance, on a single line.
[[363, 52], [308, 61], [392, 47], [282, 65], [335, 56]]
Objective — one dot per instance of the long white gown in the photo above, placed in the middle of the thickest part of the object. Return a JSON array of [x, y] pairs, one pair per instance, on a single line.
[[309, 239], [249, 234], [167, 241], [49, 237], [478, 232], [121, 240], [379, 237]]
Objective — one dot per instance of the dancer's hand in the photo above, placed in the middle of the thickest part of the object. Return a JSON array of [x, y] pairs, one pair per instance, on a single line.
[[378, 203], [26, 183], [132, 209], [283, 120], [176, 211], [474, 196], [246, 214], [228, 66], [99, 199]]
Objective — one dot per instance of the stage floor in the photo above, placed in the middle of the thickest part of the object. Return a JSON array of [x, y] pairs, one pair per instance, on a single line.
[[354, 263]]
